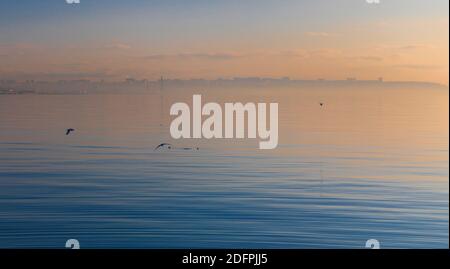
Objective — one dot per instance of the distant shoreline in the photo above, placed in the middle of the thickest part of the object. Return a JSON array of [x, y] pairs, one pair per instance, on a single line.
[[12, 87]]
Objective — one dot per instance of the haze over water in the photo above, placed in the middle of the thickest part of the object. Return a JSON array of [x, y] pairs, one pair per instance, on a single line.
[[370, 163]]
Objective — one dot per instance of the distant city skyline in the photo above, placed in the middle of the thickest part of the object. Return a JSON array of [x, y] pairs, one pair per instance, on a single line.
[[113, 40], [6, 80], [144, 85]]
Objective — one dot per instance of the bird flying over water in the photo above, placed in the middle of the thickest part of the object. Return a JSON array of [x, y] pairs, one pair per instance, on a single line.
[[169, 146], [68, 131]]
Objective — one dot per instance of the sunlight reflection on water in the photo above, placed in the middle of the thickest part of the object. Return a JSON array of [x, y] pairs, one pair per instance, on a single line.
[[369, 164]]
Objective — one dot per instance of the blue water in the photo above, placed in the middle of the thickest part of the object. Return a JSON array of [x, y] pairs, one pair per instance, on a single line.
[[335, 180]]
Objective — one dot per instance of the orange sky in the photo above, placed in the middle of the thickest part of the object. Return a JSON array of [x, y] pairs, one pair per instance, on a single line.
[[366, 43]]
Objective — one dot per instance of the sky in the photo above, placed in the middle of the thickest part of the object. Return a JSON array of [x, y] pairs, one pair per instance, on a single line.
[[401, 40]]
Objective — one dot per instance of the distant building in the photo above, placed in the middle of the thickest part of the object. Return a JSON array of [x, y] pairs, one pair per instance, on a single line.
[[130, 80]]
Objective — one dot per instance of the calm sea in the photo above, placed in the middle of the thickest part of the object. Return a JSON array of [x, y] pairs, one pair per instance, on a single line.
[[370, 163]]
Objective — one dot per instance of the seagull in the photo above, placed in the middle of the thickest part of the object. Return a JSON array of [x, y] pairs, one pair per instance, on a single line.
[[68, 131], [169, 146]]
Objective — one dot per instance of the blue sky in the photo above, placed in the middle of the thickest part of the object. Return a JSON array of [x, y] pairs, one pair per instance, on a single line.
[[51, 20]]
